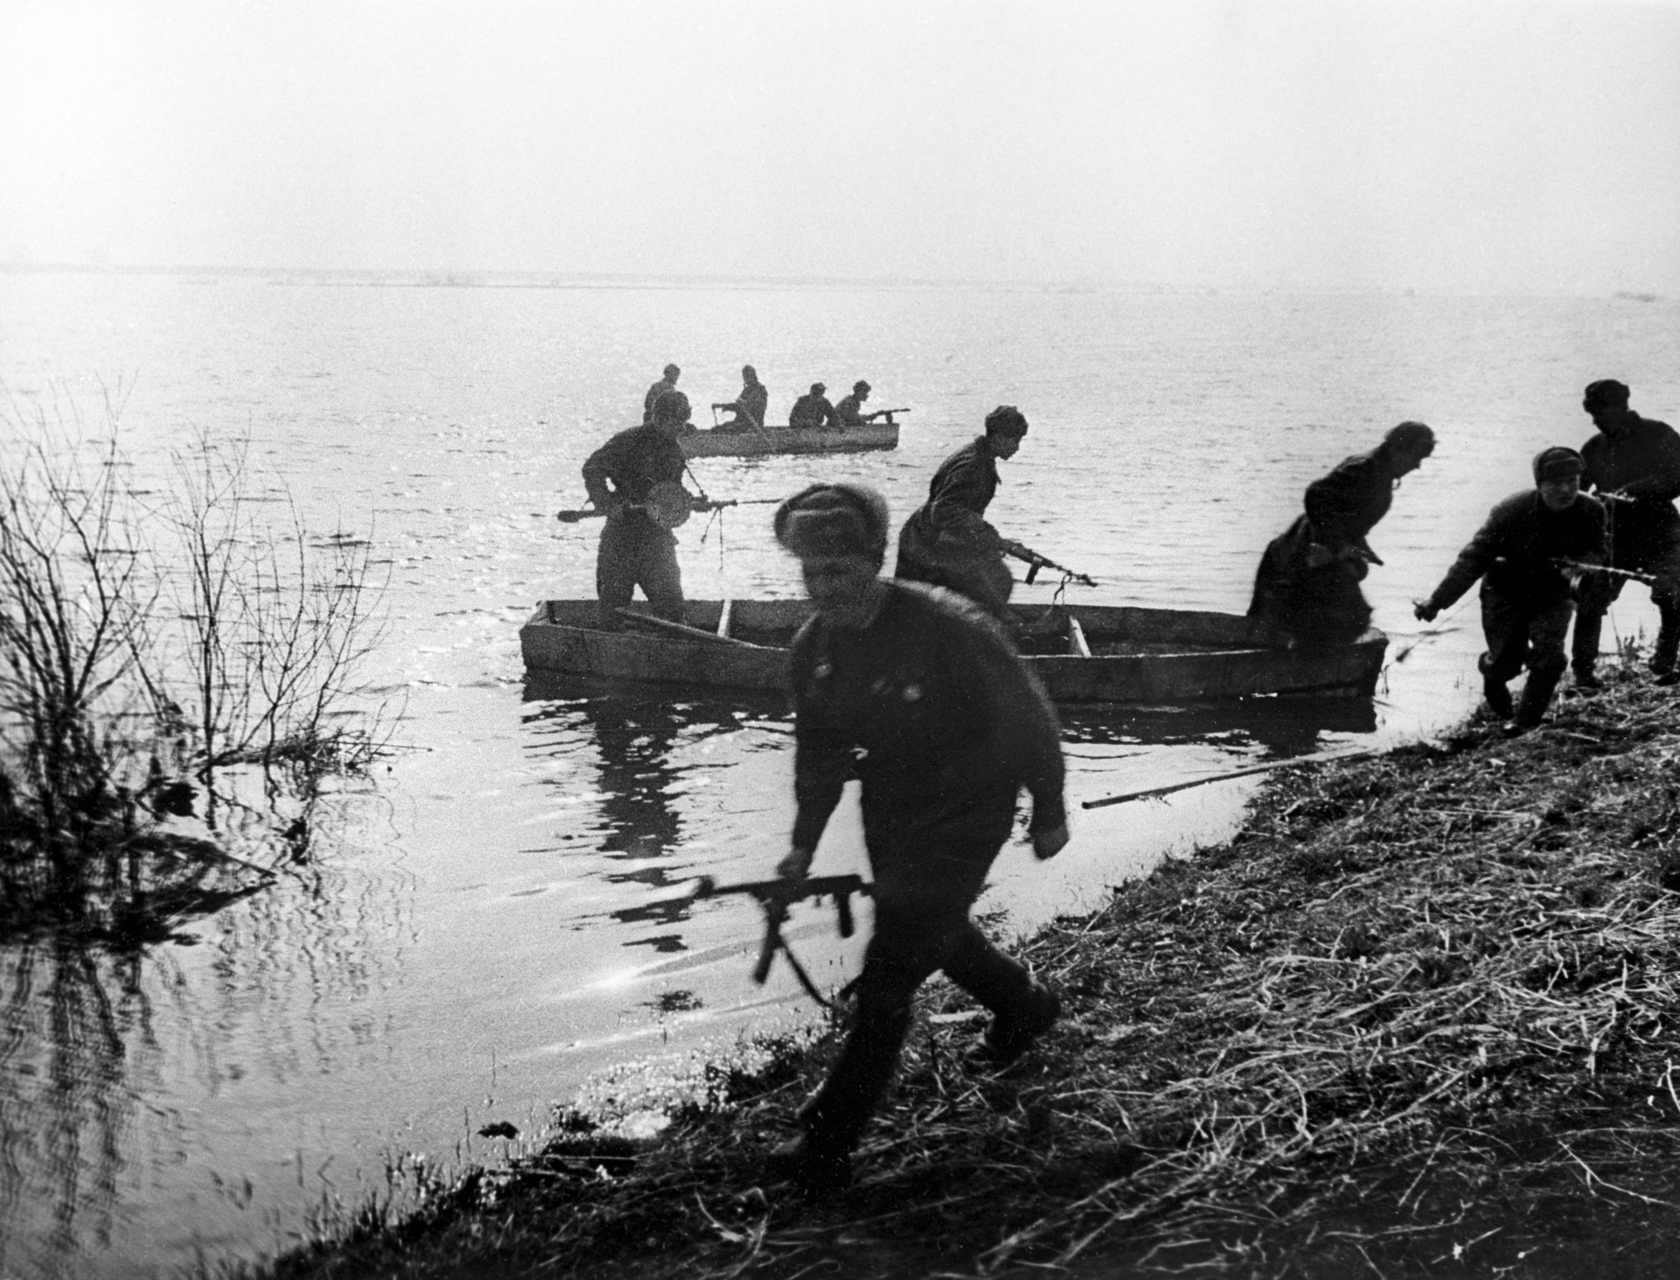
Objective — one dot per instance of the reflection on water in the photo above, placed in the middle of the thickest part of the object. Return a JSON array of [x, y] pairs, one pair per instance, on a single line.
[[113, 1044], [635, 733], [1280, 726]]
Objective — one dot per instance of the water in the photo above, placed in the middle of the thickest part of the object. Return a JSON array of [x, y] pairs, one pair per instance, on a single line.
[[479, 925]]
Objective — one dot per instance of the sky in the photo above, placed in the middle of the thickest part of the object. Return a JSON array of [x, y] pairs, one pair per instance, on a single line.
[[1498, 146]]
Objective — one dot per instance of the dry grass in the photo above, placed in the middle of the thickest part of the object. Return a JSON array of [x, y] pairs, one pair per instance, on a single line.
[[1420, 1004]]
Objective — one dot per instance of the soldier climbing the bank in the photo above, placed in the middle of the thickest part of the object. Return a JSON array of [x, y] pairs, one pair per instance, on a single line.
[[1527, 555], [1634, 464], [918, 695], [946, 541], [1306, 590]]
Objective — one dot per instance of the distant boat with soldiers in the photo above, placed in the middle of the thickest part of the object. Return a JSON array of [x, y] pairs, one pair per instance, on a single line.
[[1081, 653], [718, 442]]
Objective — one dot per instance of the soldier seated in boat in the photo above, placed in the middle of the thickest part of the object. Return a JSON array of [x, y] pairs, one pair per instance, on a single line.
[[748, 407], [946, 541], [635, 550], [1634, 462], [916, 694], [1306, 590], [849, 411], [666, 383], [1526, 594], [813, 411]]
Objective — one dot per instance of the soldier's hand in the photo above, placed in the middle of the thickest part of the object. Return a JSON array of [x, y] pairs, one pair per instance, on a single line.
[[1047, 844], [1425, 611], [796, 864]]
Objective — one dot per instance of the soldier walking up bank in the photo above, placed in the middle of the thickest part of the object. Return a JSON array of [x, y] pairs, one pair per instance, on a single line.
[[1526, 602], [918, 695], [1634, 463]]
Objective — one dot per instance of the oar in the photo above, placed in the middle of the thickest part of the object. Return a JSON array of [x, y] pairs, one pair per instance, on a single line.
[[682, 628], [1221, 777]]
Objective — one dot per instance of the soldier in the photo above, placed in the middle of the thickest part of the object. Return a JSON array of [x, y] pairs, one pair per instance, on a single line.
[[1526, 602], [918, 695], [1634, 463], [946, 541], [849, 412], [1306, 590], [749, 406], [813, 410], [634, 550], [667, 383]]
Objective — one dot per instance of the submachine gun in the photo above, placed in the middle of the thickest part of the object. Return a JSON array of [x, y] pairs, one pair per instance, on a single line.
[[1035, 562], [776, 896]]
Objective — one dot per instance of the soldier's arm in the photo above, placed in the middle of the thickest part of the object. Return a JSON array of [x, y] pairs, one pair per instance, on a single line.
[[1475, 560], [822, 758], [1663, 482], [1026, 731], [601, 467]]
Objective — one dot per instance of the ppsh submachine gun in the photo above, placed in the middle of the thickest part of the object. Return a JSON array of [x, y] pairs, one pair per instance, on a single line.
[[776, 896]]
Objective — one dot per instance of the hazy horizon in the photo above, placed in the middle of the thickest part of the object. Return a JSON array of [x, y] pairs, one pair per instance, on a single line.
[[1494, 147]]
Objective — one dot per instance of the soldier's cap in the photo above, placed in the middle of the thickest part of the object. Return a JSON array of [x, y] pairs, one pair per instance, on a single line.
[[1606, 393], [834, 520], [1413, 437], [1557, 463], [1006, 419], [672, 371], [860, 385], [747, 371], [817, 388], [672, 406]]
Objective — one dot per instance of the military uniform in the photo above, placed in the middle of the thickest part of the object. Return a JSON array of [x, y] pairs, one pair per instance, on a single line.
[[749, 407], [812, 410], [1526, 601], [635, 551], [1644, 533], [946, 541], [928, 707], [1322, 602], [849, 411]]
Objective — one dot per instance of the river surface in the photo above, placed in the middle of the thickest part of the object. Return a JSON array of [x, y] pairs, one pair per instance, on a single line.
[[478, 925]]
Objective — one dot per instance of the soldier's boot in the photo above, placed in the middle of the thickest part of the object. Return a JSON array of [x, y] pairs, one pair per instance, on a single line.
[[1012, 1033], [813, 1161], [1537, 694], [1663, 654], [1498, 697]]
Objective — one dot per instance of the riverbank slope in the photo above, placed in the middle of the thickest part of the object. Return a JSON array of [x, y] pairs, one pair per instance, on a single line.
[[1420, 1011]]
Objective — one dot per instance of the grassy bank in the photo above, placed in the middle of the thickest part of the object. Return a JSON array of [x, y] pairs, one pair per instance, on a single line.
[[1418, 1016]]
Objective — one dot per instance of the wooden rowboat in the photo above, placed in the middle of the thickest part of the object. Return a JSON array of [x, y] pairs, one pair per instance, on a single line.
[[748, 444], [1095, 653]]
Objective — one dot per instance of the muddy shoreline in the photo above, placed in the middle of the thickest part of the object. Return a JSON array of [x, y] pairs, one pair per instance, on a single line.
[[1420, 1011]]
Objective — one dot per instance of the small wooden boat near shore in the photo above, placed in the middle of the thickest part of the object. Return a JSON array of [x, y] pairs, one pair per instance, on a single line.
[[1090, 653], [716, 443]]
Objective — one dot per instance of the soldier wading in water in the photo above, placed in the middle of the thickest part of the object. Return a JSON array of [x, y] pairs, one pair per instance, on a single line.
[[918, 695]]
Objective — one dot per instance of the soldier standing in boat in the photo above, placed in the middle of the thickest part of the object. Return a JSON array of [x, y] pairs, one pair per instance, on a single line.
[[749, 407], [1634, 463], [635, 550], [918, 695], [1526, 593], [849, 411], [1306, 590], [813, 410], [666, 383], [946, 541]]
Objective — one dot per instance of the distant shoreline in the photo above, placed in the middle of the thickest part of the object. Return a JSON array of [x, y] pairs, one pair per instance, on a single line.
[[348, 277]]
